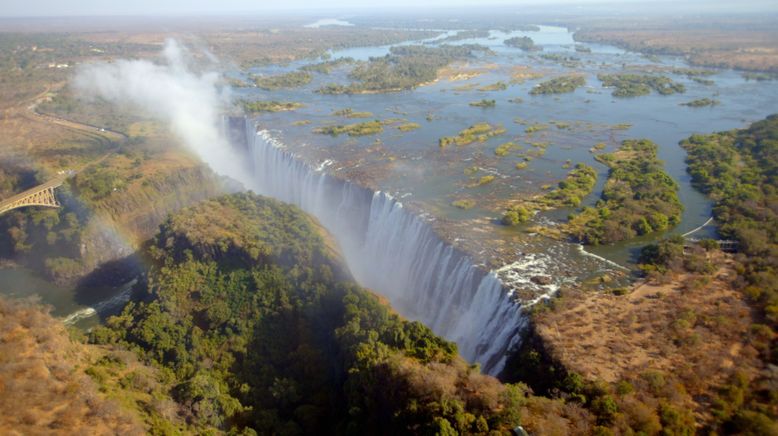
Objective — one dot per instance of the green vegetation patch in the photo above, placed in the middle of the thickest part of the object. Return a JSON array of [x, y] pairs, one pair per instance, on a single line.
[[703, 81], [537, 127], [293, 79], [504, 149], [634, 85], [638, 198], [483, 180], [522, 42], [760, 77], [499, 86], [356, 129], [407, 127], [270, 106], [405, 67], [701, 102], [349, 113], [464, 34], [559, 85], [326, 67], [484, 103], [738, 169], [569, 192], [480, 132], [565, 61], [463, 203]]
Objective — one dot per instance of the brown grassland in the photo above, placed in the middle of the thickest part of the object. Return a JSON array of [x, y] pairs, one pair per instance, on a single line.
[[744, 45], [43, 386]]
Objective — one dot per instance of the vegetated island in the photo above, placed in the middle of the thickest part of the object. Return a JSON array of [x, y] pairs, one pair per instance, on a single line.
[[484, 103], [463, 203], [504, 149], [564, 60], [559, 85], [350, 113], [293, 79], [357, 129], [326, 67], [522, 42], [634, 85], [476, 133], [701, 102], [270, 106], [639, 197], [569, 192], [407, 127], [498, 86], [461, 35], [405, 67]]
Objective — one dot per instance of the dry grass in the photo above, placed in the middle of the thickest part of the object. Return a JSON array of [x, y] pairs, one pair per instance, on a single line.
[[43, 389], [694, 327], [740, 47]]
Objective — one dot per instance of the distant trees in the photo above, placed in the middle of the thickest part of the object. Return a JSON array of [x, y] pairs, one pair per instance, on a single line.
[[292, 79], [559, 85], [405, 67], [270, 106], [523, 42], [479, 132], [634, 85], [356, 129]]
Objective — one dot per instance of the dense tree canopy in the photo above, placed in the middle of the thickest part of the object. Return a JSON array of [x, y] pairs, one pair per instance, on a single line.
[[638, 198], [739, 170], [249, 313]]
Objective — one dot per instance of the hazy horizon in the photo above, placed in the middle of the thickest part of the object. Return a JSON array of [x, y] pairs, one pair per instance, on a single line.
[[54, 8]]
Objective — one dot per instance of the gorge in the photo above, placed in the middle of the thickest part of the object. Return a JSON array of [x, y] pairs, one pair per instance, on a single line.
[[397, 254]]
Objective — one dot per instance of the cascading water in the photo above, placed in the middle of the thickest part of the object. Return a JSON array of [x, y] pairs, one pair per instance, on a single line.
[[397, 254]]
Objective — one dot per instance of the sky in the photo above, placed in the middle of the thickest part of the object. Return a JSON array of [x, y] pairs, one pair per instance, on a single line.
[[16, 8]]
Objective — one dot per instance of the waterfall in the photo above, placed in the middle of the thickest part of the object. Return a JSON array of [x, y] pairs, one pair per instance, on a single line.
[[397, 254]]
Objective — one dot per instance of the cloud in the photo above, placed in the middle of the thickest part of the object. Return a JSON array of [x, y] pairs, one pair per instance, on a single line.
[[189, 102]]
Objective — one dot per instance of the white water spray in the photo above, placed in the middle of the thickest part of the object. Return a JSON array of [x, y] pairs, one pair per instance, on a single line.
[[397, 254]]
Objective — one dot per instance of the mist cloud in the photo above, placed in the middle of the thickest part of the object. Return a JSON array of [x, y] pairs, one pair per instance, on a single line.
[[189, 102]]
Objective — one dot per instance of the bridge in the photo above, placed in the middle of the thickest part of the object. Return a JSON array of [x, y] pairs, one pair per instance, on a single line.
[[41, 195]]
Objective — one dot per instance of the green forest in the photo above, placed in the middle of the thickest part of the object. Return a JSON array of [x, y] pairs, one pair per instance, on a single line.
[[405, 67], [250, 317], [293, 79], [738, 169], [559, 85], [523, 42], [634, 85], [568, 193], [639, 197]]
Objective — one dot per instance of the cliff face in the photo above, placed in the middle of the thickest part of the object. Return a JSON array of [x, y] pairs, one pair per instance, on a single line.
[[70, 243], [124, 220]]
